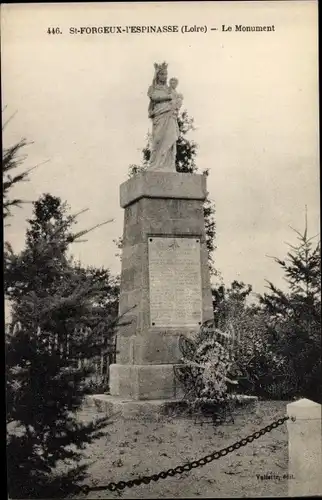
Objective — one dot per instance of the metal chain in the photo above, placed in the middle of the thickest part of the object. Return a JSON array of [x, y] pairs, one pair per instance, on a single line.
[[120, 485]]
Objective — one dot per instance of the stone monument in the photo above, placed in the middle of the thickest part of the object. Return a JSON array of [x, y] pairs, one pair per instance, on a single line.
[[165, 282]]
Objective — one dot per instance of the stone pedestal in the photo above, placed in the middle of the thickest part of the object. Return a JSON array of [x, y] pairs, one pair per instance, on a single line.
[[165, 282]]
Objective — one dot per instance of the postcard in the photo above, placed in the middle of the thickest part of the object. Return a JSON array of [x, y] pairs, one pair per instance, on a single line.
[[162, 249]]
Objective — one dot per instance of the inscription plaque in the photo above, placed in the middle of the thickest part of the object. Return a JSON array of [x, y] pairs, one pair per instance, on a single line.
[[175, 282]]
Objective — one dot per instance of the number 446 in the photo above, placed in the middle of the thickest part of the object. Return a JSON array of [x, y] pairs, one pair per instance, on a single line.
[[54, 31]]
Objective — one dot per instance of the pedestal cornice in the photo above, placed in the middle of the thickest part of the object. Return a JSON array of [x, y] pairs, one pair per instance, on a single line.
[[173, 185]]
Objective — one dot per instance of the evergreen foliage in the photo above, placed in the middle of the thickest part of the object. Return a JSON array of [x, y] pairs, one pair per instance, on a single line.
[[53, 299], [295, 316], [12, 158]]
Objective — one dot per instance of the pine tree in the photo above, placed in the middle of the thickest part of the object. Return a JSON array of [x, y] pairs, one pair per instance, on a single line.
[[53, 301], [186, 162], [229, 302], [12, 158], [258, 367], [296, 315]]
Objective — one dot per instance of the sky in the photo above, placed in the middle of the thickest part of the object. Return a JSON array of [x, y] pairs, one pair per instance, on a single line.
[[82, 100]]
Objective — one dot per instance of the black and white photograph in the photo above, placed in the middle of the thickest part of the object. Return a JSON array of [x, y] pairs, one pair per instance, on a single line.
[[162, 268]]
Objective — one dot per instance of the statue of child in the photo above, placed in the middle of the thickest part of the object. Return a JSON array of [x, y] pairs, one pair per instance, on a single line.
[[177, 98]]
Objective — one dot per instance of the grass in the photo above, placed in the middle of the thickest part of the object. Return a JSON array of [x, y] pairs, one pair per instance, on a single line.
[[131, 448]]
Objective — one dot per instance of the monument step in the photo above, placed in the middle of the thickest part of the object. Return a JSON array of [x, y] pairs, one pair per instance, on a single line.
[[152, 409]]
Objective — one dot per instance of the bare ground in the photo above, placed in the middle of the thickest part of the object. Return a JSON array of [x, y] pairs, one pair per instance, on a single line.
[[131, 448]]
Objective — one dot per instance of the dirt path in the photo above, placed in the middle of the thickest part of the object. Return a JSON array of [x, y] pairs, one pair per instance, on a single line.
[[131, 448]]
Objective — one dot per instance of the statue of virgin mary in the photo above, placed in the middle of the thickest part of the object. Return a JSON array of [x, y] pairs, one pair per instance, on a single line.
[[164, 116]]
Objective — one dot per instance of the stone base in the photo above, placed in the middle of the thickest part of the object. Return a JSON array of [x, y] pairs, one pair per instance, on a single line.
[[126, 408], [142, 382], [157, 409]]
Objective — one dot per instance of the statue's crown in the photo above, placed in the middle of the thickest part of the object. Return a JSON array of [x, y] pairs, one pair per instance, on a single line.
[[160, 67]]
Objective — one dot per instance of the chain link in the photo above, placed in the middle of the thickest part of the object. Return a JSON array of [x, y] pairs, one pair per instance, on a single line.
[[180, 469]]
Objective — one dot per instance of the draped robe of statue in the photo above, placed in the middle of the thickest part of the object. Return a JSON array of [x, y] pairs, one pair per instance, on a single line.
[[165, 130]]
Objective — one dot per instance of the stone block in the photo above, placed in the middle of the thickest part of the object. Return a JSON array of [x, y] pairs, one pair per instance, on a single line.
[[127, 325], [124, 349], [159, 209], [162, 217], [163, 185], [157, 347], [151, 347], [141, 382], [172, 227]]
